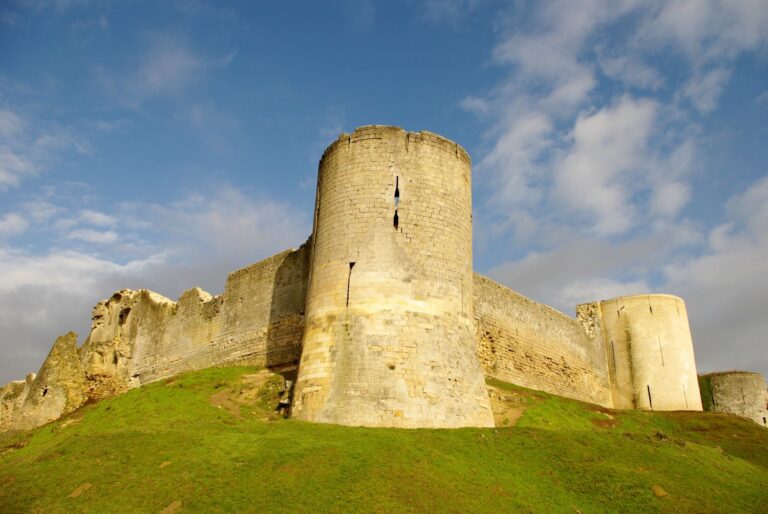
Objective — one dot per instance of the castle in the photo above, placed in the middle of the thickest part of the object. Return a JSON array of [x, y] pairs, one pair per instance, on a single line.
[[379, 318]]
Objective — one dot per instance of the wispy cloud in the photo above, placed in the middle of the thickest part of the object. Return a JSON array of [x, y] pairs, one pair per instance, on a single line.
[[12, 224], [27, 148], [167, 65]]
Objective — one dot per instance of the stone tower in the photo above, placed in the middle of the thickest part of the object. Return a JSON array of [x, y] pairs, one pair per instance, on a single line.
[[650, 353], [389, 337], [738, 392]]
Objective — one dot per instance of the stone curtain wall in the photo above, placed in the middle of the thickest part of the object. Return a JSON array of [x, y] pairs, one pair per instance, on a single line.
[[389, 338], [650, 349], [533, 345], [140, 336], [738, 392]]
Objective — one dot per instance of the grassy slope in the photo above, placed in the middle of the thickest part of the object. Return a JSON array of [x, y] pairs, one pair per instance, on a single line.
[[165, 442]]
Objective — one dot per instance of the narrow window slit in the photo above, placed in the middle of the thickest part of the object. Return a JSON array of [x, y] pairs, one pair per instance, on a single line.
[[349, 280], [650, 400], [613, 351], [396, 219], [45, 391]]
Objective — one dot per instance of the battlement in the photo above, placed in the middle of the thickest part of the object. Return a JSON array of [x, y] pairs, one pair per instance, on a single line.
[[407, 139]]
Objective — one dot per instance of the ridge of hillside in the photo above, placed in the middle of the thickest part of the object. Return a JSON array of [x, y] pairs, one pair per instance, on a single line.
[[214, 440]]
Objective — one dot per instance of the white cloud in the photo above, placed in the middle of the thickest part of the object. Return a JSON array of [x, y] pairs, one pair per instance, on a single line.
[[97, 218], [601, 170], [94, 236], [704, 89], [631, 71], [12, 224], [448, 11], [167, 66], [27, 148]]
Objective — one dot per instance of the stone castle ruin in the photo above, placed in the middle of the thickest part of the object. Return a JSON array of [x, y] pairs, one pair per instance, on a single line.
[[379, 319]]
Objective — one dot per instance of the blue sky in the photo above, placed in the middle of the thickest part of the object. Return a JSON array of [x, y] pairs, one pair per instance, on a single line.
[[618, 147]]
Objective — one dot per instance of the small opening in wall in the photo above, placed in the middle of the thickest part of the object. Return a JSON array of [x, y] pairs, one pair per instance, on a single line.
[[396, 220], [391, 366], [124, 315], [613, 351], [765, 422], [45, 391], [650, 400], [397, 191], [349, 280], [650, 307]]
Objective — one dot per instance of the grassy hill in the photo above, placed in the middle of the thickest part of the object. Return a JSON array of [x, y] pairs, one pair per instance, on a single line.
[[211, 441]]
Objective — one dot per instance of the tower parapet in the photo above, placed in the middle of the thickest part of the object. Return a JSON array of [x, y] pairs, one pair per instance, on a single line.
[[389, 338]]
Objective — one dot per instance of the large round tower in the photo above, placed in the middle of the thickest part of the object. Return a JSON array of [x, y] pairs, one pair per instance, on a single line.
[[389, 337], [650, 353]]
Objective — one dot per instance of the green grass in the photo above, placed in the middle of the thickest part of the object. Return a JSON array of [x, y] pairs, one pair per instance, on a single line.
[[167, 441]]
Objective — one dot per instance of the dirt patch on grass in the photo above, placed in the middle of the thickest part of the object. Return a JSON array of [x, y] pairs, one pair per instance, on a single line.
[[258, 392], [79, 490], [173, 507], [507, 406]]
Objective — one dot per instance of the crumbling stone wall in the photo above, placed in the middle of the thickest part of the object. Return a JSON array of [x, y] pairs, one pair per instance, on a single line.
[[739, 392], [139, 336], [533, 345]]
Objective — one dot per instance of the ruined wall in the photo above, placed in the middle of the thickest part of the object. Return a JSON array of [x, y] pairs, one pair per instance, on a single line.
[[58, 389], [651, 359], [533, 345], [738, 392], [140, 336], [389, 337]]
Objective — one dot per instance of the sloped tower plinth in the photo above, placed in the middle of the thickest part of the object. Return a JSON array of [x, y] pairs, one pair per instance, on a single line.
[[389, 338]]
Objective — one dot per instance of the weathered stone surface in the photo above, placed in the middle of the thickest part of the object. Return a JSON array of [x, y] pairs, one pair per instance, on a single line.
[[398, 331], [390, 338], [533, 345], [738, 392], [650, 353], [57, 389]]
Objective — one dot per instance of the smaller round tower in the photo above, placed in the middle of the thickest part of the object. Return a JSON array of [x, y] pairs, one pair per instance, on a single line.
[[738, 392], [650, 353]]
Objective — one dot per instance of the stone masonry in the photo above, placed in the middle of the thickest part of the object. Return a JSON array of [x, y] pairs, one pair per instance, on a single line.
[[383, 317]]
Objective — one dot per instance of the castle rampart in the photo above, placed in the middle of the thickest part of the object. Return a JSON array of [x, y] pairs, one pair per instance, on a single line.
[[384, 317], [527, 343]]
